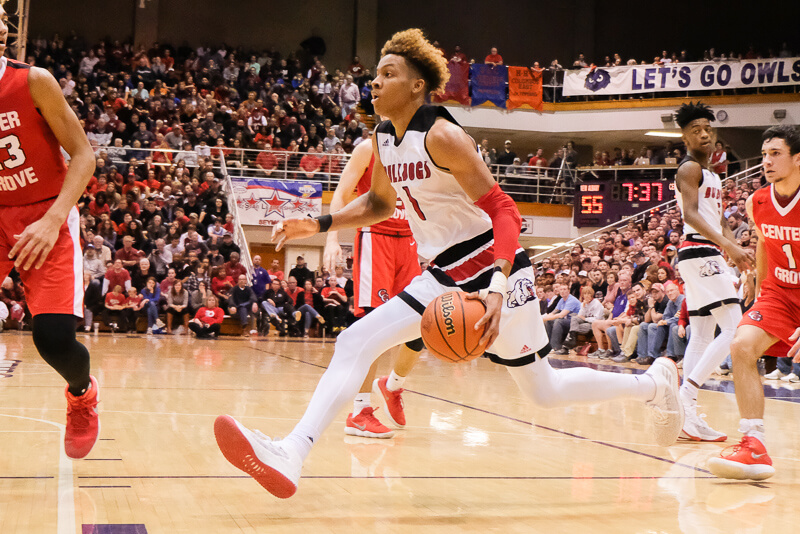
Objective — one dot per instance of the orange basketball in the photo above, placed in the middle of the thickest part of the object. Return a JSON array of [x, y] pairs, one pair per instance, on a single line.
[[448, 327]]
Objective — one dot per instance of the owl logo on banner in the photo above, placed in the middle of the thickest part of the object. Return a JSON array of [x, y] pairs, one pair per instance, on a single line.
[[523, 292], [710, 268], [597, 79]]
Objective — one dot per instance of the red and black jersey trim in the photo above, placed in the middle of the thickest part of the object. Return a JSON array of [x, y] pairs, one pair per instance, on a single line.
[[463, 249], [697, 246], [16, 64], [521, 261]]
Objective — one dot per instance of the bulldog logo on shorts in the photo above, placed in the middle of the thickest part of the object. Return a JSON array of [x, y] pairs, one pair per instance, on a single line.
[[710, 268], [383, 295], [755, 315], [523, 292]]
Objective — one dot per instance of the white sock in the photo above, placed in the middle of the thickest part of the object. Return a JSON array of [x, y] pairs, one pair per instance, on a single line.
[[299, 442], [753, 428], [689, 395], [360, 402], [548, 388], [395, 381]]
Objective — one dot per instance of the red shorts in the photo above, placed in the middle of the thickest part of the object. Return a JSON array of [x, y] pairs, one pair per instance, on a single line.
[[384, 265], [58, 286], [777, 312]]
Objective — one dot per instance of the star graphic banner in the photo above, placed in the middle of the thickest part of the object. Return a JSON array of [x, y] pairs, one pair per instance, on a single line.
[[266, 202]]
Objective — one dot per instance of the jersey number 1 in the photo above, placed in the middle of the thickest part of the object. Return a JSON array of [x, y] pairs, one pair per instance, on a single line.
[[787, 248], [414, 203], [16, 155]]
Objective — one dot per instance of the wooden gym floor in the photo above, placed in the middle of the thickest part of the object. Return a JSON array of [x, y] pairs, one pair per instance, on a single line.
[[475, 457]]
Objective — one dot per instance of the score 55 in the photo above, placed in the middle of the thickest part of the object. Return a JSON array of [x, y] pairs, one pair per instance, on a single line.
[[592, 204]]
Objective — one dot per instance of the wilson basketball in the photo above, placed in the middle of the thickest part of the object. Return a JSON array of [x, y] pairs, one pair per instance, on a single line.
[[448, 327]]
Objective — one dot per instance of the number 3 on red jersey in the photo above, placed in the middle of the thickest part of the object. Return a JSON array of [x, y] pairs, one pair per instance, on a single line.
[[15, 153]]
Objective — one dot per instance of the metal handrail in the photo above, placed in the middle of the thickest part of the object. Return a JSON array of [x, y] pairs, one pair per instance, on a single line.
[[239, 236], [738, 178]]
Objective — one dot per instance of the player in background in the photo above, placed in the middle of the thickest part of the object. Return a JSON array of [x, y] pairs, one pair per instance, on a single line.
[[710, 294], [39, 227], [470, 229], [773, 323], [385, 263]]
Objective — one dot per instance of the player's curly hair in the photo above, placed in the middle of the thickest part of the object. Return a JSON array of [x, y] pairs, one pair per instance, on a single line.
[[419, 52], [691, 111]]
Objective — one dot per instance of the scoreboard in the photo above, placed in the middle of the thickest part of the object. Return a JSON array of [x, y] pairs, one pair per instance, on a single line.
[[599, 203]]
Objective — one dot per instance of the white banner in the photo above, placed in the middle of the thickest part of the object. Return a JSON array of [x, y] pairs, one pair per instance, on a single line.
[[682, 77], [265, 202]]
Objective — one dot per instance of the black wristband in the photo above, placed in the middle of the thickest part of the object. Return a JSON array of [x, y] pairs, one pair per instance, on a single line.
[[497, 269], [325, 222]]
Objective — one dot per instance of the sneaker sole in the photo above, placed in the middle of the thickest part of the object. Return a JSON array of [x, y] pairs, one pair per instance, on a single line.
[[376, 388], [239, 452], [723, 468], [688, 437], [352, 431]]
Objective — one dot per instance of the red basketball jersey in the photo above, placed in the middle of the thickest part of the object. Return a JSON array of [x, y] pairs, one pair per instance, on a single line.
[[32, 168], [781, 230], [397, 223]]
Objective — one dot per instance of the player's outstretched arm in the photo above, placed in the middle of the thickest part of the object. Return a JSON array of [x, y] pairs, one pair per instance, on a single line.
[[37, 240], [343, 195], [376, 206], [450, 147]]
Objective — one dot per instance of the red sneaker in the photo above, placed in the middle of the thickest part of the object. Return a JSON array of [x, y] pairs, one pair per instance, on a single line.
[[83, 424], [366, 425], [391, 401], [748, 460]]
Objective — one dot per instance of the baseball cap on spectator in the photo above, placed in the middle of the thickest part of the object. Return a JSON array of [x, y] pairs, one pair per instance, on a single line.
[[671, 247], [657, 286], [583, 273], [89, 245]]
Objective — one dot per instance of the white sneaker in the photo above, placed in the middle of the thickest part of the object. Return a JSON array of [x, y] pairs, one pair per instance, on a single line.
[[273, 466], [774, 375], [667, 408], [791, 377], [149, 331], [695, 428]]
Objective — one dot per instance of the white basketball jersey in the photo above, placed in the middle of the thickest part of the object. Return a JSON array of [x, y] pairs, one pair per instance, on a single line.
[[439, 212], [709, 200]]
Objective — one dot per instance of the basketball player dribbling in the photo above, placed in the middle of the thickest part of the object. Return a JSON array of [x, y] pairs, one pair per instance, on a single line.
[[469, 228], [773, 323], [711, 297], [39, 227], [385, 263]]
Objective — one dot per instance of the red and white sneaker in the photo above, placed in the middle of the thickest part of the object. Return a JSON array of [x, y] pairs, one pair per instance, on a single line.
[[83, 423], [272, 464], [366, 425], [747, 460], [391, 401]]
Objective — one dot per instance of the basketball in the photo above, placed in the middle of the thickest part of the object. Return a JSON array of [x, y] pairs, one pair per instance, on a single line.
[[448, 327]]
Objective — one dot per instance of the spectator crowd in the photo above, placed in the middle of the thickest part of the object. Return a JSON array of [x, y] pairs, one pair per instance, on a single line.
[[626, 293]]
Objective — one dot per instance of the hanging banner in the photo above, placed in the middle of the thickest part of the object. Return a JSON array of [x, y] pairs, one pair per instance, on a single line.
[[489, 84], [524, 87], [682, 77], [457, 87], [266, 202]]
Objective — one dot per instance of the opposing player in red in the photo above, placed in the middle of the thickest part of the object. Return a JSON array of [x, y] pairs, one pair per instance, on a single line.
[[39, 227], [772, 324], [385, 263], [469, 229]]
